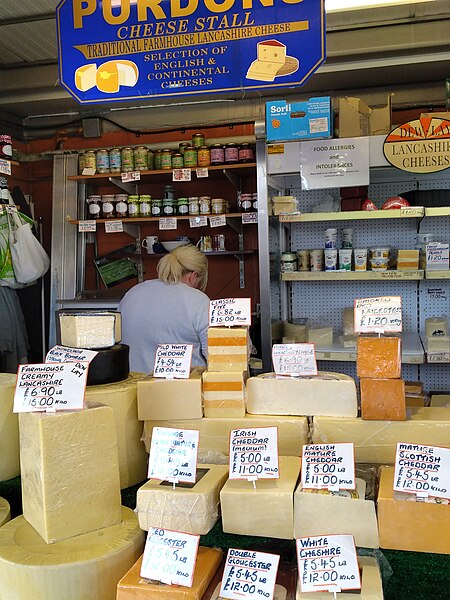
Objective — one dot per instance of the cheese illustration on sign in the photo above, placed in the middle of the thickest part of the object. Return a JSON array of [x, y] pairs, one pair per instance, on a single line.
[[272, 62], [108, 77]]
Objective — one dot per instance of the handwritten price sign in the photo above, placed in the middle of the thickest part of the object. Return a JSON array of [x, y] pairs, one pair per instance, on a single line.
[[62, 354], [328, 466], [422, 470], [254, 453], [378, 315], [173, 455], [249, 574], [230, 311], [173, 361], [294, 359], [50, 387]]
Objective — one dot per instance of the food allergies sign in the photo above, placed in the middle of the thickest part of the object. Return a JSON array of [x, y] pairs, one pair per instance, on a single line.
[[126, 49]]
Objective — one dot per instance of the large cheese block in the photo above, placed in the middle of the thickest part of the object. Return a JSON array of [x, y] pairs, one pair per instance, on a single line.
[[383, 399], [5, 511], [332, 394], [192, 508], [70, 471], [405, 524], [86, 567], [266, 510], [379, 357], [9, 429], [223, 394], [320, 512], [214, 445], [89, 329], [375, 441], [371, 584], [160, 399], [122, 398], [134, 587], [440, 400], [228, 348], [109, 365], [321, 336]]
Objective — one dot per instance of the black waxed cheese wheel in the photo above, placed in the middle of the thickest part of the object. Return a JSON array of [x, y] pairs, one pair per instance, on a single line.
[[110, 365]]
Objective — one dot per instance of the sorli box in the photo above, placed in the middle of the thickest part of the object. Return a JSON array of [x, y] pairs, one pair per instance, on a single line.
[[286, 121]]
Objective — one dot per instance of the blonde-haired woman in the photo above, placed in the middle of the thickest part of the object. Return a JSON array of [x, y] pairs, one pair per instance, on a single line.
[[172, 309]]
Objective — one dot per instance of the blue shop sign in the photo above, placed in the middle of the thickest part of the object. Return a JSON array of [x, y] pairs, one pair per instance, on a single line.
[[127, 49]]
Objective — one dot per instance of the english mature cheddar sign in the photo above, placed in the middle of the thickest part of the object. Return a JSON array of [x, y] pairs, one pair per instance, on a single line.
[[126, 49]]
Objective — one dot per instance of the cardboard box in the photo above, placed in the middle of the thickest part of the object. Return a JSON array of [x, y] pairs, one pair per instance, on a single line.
[[356, 118], [308, 120]]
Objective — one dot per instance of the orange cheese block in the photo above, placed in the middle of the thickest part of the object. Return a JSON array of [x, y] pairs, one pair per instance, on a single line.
[[379, 357], [223, 393], [133, 587], [383, 399], [405, 524], [228, 348]]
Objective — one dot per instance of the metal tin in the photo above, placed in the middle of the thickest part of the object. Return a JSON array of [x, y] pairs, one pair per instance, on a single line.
[[115, 160], [231, 153], [217, 154], [145, 205], [288, 262], [121, 205], [204, 205], [157, 160], [133, 205], [168, 207], [190, 156], [141, 158], [204, 156], [81, 162], [127, 157], [182, 206], [177, 160], [166, 159], [217, 206], [102, 161], [246, 154], [90, 158], [156, 207], [198, 139], [194, 207]]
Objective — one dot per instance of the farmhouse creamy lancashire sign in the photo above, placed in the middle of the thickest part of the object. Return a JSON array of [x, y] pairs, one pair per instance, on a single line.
[[126, 49]]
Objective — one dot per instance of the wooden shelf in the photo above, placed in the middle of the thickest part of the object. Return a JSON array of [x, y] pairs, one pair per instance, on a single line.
[[155, 219], [410, 212], [352, 275]]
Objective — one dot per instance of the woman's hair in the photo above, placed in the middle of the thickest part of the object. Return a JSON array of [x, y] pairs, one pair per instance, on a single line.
[[184, 259]]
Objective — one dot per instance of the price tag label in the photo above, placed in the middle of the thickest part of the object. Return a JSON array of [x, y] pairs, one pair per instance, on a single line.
[[167, 223], [200, 221], [249, 218], [85, 226], [289, 217], [181, 175], [328, 466], [411, 211], [422, 470], [378, 315], [327, 563], [202, 172], [173, 361], [254, 453], [294, 359], [113, 227], [230, 311], [170, 556], [438, 357], [50, 387], [131, 176], [88, 171], [249, 574], [217, 221], [5, 167], [62, 354], [173, 455]]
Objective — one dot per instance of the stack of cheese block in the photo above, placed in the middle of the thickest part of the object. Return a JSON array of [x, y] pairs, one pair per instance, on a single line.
[[9, 429], [378, 365], [74, 540], [407, 260], [415, 394], [437, 339]]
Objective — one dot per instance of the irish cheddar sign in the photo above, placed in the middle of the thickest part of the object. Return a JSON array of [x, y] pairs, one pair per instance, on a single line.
[[127, 49]]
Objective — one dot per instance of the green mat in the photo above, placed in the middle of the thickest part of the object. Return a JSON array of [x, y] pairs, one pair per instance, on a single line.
[[415, 575]]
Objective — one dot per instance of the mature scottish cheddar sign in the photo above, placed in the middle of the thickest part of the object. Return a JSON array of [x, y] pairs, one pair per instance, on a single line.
[[127, 49]]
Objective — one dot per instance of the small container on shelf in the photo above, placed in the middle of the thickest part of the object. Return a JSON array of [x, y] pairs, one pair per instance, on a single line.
[[246, 154], [316, 259], [255, 201], [90, 160], [108, 206], [204, 205], [246, 202], [288, 262], [133, 205], [156, 207], [217, 206], [102, 161], [190, 157], [231, 153], [157, 159], [166, 159], [169, 193], [204, 156], [194, 206], [198, 139], [168, 207], [140, 154], [127, 158], [81, 162], [177, 160], [145, 205], [151, 159], [115, 160], [182, 146], [94, 206], [121, 205], [182, 207], [217, 154]]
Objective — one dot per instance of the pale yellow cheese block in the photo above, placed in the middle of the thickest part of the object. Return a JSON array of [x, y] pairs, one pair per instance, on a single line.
[[268, 510], [5, 511], [442, 400], [85, 77], [160, 399], [375, 441], [331, 394], [86, 567], [371, 584], [214, 442], [134, 587], [88, 330], [9, 429], [321, 336], [223, 394], [321, 513], [122, 398], [192, 508], [70, 471]]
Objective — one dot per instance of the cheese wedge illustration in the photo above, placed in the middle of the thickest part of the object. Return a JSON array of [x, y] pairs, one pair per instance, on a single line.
[[271, 58], [85, 77], [114, 73]]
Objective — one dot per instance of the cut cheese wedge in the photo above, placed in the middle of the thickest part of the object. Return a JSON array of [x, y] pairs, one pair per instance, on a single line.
[[9, 429], [114, 73], [85, 567], [85, 77], [90, 330], [134, 587], [192, 508], [5, 511]]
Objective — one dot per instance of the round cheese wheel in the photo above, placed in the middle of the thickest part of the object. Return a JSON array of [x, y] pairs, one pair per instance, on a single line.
[[110, 365], [85, 567], [9, 428], [5, 513]]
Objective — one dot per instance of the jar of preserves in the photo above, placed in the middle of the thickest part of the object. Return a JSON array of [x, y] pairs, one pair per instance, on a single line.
[[127, 157], [166, 159], [81, 162], [204, 203], [168, 207], [246, 154], [217, 154], [194, 207], [140, 158], [6, 150], [231, 153], [169, 194], [177, 160], [108, 206], [182, 146], [102, 161], [156, 207], [204, 156], [94, 206], [121, 205], [288, 262], [198, 139], [255, 201], [246, 202], [157, 159], [115, 160], [151, 160], [182, 206], [133, 205], [217, 206], [145, 205], [90, 160], [190, 157]]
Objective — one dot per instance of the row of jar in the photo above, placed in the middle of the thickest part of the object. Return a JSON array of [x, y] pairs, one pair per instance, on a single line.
[[333, 259], [141, 158]]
